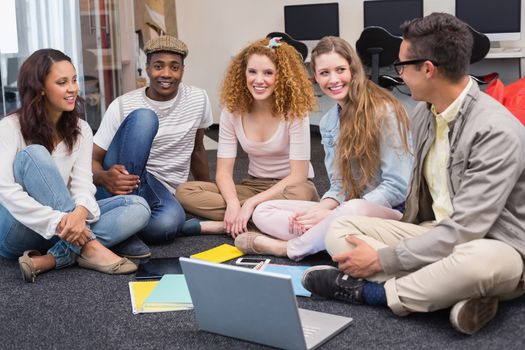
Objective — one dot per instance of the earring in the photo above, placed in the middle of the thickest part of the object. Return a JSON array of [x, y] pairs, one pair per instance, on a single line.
[[43, 93]]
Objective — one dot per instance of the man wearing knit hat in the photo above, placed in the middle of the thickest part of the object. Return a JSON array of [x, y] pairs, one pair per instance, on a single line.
[[149, 140]]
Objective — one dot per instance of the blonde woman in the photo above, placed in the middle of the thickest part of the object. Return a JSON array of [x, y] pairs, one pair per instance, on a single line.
[[266, 96], [367, 157]]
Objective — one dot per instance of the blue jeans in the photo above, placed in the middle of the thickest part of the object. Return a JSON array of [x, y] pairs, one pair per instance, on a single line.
[[131, 147], [36, 172]]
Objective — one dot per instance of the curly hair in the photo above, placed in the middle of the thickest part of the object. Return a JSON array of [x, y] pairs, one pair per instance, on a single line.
[[34, 124], [293, 96], [363, 115]]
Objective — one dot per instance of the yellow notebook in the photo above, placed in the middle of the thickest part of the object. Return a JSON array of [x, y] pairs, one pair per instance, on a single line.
[[140, 290], [219, 254]]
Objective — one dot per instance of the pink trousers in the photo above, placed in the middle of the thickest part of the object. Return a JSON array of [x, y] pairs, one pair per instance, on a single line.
[[271, 218]]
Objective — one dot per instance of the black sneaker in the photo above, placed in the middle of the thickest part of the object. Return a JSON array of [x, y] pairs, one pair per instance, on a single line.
[[470, 315], [191, 227], [132, 248], [328, 282]]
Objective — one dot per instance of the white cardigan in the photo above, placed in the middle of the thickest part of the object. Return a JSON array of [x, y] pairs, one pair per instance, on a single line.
[[74, 168]]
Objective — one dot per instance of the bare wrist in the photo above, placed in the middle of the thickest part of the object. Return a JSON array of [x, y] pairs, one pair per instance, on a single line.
[[82, 211], [232, 202], [98, 178], [250, 203]]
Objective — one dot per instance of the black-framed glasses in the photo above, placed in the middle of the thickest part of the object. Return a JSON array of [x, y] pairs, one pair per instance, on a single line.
[[399, 66]]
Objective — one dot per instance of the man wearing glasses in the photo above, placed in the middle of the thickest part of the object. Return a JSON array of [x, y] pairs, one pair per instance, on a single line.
[[461, 241]]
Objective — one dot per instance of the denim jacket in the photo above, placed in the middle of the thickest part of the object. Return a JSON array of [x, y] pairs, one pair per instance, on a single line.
[[390, 188]]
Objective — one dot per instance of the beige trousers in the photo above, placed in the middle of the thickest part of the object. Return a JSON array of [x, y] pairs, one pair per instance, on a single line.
[[479, 268], [205, 200]]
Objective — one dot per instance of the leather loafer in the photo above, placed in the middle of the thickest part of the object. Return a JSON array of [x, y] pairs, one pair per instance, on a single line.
[[27, 268], [121, 267], [245, 242]]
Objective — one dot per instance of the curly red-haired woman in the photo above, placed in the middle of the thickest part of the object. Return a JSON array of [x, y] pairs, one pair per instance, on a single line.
[[266, 96]]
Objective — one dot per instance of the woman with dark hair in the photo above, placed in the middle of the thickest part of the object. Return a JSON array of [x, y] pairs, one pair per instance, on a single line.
[[47, 198]]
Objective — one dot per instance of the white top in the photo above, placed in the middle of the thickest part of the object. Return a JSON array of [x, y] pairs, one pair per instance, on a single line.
[[74, 168], [271, 158], [179, 119]]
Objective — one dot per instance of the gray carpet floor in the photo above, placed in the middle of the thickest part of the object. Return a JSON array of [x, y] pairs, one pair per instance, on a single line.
[[81, 309]]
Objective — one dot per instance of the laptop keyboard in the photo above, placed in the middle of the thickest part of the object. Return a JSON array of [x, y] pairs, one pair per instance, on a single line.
[[309, 331]]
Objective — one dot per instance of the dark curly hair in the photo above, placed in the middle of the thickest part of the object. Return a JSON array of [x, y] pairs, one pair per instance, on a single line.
[[293, 94], [34, 124]]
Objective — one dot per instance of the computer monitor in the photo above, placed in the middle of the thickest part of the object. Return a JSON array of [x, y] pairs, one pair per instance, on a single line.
[[390, 14], [499, 20], [311, 22]]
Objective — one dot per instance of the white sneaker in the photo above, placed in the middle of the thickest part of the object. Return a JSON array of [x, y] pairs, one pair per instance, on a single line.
[[470, 315]]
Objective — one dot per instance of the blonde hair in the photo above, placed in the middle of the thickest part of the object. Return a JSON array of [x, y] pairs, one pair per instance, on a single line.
[[361, 118], [293, 96]]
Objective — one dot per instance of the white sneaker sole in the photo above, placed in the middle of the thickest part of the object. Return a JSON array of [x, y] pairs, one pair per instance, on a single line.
[[470, 315]]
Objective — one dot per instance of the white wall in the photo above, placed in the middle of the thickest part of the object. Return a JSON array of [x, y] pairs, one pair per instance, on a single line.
[[215, 30]]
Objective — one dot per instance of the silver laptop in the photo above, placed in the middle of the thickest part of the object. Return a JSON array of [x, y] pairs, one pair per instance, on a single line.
[[256, 306]]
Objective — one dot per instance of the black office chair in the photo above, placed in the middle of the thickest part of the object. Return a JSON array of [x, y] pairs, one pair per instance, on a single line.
[[298, 45], [480, 48], [378, 48]]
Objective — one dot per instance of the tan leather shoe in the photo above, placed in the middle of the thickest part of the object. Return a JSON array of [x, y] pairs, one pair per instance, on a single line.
[[121, 267], [245, 242], [27, 268]]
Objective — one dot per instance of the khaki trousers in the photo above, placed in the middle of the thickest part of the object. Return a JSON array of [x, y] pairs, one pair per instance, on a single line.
[[479, 268], [205, 200]]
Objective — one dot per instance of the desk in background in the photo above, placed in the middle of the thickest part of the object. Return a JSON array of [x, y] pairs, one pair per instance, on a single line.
[[508, 62]]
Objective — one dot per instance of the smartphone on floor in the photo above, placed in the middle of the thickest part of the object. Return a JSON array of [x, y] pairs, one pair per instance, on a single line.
[[252, 262]]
